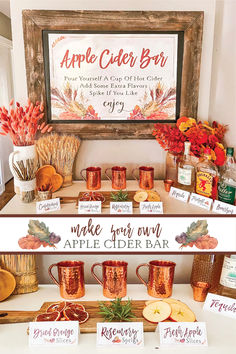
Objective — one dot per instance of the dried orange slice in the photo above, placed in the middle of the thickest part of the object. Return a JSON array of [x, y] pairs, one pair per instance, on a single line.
[[48, 316], [75, 315], [153, 196], [76, 306], [57, 306]]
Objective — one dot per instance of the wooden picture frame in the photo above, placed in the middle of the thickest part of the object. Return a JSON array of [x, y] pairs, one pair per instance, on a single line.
[[190, 23]]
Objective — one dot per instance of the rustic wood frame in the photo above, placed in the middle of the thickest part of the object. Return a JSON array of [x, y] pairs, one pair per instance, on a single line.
[[190, 22]]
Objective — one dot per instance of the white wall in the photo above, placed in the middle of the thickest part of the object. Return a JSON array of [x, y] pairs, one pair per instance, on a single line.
[[6, 94], [223, 86], [129, 152]]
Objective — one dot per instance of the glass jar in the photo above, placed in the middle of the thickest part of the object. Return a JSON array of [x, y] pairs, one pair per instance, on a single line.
[[207, 268]]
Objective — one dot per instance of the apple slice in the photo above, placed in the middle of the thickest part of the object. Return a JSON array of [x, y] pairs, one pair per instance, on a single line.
[[181, 313], [150, 302], [174, 301], [157, 311]]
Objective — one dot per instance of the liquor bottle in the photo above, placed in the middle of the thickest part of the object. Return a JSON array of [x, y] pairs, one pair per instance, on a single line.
[[227, 284], [186, 170], [207, 176], [207, 268], [227, 182]]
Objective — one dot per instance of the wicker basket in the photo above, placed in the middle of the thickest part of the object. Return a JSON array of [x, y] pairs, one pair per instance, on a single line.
[[23, 267]]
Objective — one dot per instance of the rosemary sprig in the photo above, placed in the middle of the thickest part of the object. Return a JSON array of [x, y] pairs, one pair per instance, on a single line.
[[117, 311], [119, 196]]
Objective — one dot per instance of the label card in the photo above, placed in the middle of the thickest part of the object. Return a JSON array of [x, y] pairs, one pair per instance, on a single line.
[[45, 206], [200, 201], [94, 207], [121, 207], [222, 305], [151, 207], [183, 333], [223, 208], [58, 333], [179, 194], [120, 334]]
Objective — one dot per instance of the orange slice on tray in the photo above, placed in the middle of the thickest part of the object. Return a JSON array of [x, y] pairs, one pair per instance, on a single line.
[[48, 316], [76, 306], [72, 314], [153, 196], [58, 306]]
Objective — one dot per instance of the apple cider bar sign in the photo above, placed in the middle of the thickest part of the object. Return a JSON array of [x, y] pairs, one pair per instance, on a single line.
[[96, 234], [112, 77]]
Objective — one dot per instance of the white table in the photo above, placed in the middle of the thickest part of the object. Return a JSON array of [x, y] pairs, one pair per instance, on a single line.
[[14, 340], [170, 205]]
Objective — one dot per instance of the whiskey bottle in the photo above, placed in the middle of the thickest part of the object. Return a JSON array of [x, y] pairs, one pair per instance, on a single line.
[[207, 176], [227, 182], [186, 170], [227, 285]]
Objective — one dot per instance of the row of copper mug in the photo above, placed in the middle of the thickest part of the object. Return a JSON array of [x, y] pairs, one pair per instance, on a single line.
[[114, 278], [118, 177]]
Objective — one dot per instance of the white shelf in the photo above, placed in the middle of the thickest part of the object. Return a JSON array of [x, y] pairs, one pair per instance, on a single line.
[[14, 340], [170, 205]]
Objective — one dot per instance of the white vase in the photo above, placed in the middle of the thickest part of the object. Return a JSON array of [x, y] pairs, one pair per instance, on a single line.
[[20, 153]]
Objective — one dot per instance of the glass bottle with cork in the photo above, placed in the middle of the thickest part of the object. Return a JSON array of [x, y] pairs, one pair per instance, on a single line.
[[186, 170], [227, 182], [207, 176]]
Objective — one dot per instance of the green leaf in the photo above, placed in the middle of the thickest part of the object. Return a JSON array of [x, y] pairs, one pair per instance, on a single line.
[[39, 229], [116, 310], [196, 230], [120, 196]]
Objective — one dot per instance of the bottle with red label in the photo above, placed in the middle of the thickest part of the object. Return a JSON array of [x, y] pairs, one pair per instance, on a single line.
[[207, 176]]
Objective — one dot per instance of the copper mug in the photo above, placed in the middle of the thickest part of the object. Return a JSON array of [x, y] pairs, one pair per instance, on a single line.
[[114, 278], [146, 177], [160, 279], [93, 177], [71, 278], [118, 177]]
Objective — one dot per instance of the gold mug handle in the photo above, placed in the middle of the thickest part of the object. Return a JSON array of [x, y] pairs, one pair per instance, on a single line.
[[81, 174], [136, 168], [107, 173], [139, 276], [50, 273], [94, 275]]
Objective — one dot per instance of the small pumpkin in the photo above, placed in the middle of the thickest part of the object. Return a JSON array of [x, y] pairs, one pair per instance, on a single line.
[[46, 169], [7, 284], [56, 182], [47, 175]]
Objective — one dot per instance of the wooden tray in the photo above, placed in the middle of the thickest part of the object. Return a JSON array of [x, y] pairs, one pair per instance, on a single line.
[[88, 327], [107, 195]]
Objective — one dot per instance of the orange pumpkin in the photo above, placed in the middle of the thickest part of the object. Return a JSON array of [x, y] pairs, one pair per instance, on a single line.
[[47, 175], [7, 284]]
